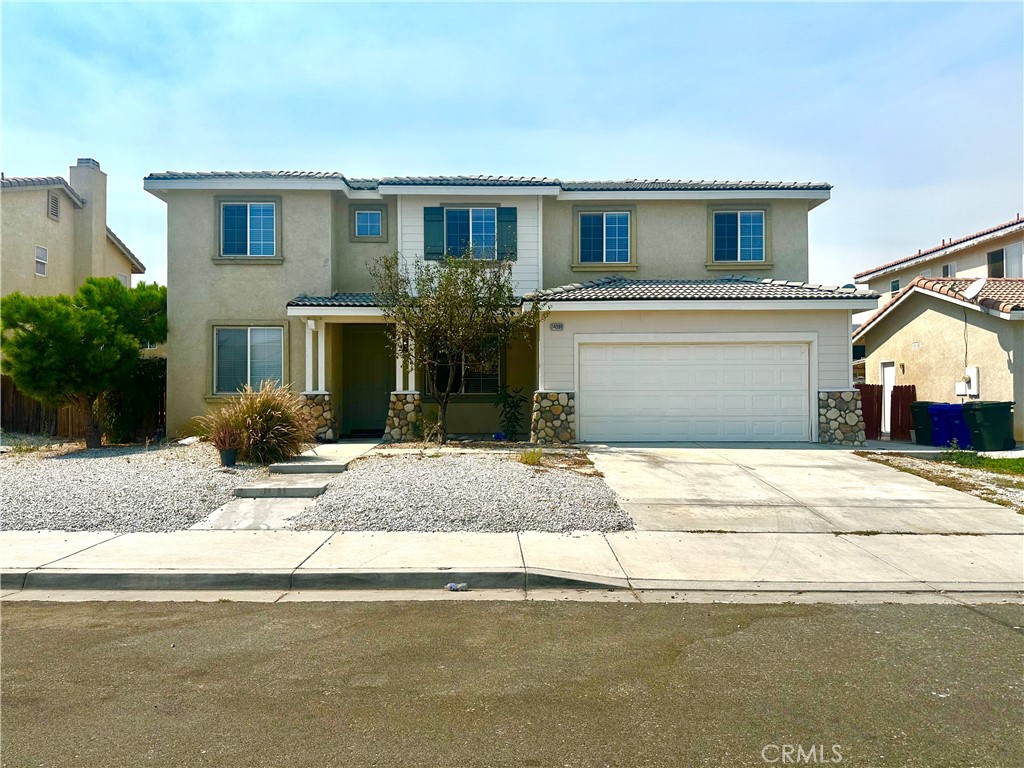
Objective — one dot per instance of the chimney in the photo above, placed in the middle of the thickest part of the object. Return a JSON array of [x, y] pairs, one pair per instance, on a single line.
[[90, 183]]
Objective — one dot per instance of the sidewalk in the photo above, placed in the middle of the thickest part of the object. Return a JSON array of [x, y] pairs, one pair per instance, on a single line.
[[637, 560]]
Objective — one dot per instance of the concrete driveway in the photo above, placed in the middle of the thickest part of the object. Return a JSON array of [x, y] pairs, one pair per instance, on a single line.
[[788, 488]]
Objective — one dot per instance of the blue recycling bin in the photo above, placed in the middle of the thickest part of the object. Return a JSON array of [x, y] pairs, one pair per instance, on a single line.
[[948, 424]]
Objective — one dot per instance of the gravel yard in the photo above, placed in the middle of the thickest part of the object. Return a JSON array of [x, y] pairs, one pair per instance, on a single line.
[[164, 488], [462, 492]]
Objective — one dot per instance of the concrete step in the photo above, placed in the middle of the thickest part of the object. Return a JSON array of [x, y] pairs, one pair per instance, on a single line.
[[253, 515], [304, 486], [303, 465]]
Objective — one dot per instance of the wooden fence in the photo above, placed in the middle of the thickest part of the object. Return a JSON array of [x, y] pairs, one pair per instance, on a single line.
[[900, 418], [21, 413], [871, 404]]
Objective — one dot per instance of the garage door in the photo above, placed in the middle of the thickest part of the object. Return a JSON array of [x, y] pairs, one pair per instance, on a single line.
[[699, 392]]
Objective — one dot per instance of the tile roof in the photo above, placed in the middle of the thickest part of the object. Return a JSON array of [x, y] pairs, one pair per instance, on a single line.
[[628, 185], [983, 234], [999, 294], [14, 182], [138, 268], [334, 300], [618, 288]]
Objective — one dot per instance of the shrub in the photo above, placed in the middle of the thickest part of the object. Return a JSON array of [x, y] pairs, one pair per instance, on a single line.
[[272, 422], [511, 402], [531, 456], [131, 409]]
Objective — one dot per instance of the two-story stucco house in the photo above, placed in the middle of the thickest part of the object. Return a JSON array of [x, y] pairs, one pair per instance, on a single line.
[[679, 310], [55, 233], [994, 252]]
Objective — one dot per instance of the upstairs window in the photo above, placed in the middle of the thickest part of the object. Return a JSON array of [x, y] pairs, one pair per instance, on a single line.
[[125, 280], [42, 260], [604, 237], [368, 224], [894, 286], [472, 231], [247, 356], [53, 205], [996, 264], [247, 229], [739, 236], [949, 270]]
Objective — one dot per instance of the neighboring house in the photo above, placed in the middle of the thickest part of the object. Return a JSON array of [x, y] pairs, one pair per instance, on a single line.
[[679, 310], [994, 252], [55, 233], [936, 332]]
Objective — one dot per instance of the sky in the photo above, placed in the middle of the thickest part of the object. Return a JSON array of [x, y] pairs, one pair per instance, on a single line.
[[914, 112]]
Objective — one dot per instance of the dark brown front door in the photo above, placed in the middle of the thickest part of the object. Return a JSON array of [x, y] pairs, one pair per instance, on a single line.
[[367, 378]]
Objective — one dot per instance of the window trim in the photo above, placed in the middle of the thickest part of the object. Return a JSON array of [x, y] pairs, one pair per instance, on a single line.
[[898, 285], [768, 262], [53, 205], [211, 336], [989, 262], [218, 216], [604, 266], [45, 261], [471, 207], [355, 208]]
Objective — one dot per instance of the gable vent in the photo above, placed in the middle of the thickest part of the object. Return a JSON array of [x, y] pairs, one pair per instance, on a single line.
[[53, 206]]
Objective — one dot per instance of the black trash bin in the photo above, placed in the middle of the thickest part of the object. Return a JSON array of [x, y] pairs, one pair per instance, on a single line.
[[922, 421], [991, 425]]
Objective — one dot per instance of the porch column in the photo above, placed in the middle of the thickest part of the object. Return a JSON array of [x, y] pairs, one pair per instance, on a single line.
[[399, 373], [412, 367], [309, 355], [321, 356]]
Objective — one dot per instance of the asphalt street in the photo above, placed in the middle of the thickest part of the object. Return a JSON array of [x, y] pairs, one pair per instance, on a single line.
[[510, 684]]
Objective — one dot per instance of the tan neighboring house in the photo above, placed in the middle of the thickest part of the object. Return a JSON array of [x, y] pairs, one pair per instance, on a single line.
[[54, 233], [994, 252], [953, 339], [679, 310]]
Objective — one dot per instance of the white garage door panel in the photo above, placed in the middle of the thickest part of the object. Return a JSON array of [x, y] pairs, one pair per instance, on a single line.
[[693, 392]]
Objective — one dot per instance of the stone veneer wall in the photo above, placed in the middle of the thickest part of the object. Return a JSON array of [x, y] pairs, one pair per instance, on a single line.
[[554, 418], [404, 411], [319, 406], [840, 418]]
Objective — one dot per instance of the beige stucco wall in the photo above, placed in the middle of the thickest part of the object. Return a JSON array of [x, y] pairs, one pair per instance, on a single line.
[[831, 327], [115, 263], [672, 240], [936, 327], [24, 224], [970, 262], [204, 292], [352, 259]]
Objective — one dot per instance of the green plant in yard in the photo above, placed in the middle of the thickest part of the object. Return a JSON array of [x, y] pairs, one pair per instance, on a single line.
[[957, 455], [70, 350], [511, 402], [531, 456], [272, 422]]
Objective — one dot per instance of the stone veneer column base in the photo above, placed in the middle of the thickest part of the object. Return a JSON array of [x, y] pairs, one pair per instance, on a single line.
[[405, 410], [554, 418], [840, 418], [319, 406]]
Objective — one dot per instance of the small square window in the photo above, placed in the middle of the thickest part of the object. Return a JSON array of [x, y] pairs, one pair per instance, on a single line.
[[125, 280], [42, 260], [368, 224], [53, 205], [894, 286], [949, 270]]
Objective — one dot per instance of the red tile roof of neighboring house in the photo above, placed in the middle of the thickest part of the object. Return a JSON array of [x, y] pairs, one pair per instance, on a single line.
[[999, 294], [985, 233]]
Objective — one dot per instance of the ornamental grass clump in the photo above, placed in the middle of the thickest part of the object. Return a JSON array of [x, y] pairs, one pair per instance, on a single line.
[[272, 422]]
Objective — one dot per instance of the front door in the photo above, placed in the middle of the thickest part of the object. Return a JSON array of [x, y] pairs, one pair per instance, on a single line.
[[367, 378], [888, 382]]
